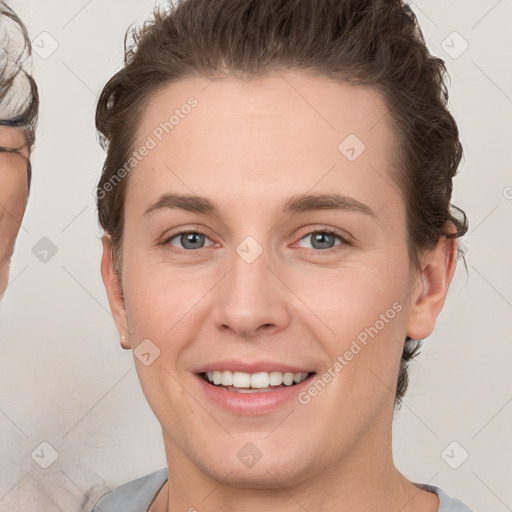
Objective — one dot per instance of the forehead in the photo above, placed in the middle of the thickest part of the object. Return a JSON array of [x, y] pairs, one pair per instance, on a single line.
[[288, 130]]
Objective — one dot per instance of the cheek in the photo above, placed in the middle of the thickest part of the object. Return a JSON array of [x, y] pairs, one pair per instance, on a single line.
[[162, 305], [159, 318], [363, 314], [158, 299], [356, 297]]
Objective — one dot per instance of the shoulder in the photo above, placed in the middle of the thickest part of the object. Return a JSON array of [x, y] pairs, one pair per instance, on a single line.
[[446, 503], [133, 496]]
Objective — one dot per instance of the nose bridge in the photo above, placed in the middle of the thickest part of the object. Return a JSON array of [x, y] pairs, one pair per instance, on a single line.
[[250, 295]]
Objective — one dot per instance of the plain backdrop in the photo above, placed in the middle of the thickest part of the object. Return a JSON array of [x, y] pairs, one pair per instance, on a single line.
[[64, 380]]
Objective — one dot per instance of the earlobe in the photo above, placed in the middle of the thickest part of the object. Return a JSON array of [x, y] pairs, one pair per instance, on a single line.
[[428, 297], [114, 291], [125, 344]]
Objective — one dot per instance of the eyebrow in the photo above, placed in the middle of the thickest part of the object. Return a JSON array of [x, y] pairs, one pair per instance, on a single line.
[[296, 204]]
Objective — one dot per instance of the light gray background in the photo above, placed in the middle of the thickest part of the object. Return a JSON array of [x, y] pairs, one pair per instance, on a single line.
[[64, 378]]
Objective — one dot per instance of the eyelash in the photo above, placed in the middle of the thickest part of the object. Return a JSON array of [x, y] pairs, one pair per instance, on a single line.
[[327, 231]]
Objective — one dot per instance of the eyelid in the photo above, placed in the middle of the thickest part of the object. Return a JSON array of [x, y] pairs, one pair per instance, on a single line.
[[345, 238], [199, 230], [321, 228]]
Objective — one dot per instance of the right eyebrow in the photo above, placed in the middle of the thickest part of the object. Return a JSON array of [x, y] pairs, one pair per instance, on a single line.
[[186, 202]]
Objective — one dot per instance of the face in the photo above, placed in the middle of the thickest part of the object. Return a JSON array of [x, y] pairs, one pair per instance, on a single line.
[[13, 196], [258, 274]]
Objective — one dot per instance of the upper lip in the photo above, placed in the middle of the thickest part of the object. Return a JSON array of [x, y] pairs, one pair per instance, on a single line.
[[235, 365]]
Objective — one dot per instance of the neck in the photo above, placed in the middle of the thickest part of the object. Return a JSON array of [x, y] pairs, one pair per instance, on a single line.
[[364, 479]]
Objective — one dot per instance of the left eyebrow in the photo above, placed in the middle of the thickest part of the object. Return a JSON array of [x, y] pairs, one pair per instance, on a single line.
[[296, 204], [306, 203]]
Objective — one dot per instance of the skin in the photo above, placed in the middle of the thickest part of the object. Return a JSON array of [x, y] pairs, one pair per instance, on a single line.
[[249, 146], [13, 196]]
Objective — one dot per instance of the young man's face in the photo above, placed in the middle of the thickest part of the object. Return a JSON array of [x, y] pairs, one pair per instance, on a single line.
[[13, 196], [262, 288]]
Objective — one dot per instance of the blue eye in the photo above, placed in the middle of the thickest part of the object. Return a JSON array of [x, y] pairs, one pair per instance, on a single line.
[[189, 240], [324, 240]]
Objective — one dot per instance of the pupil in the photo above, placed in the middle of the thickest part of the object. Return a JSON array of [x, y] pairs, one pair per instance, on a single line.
[[189, 239], [321, 238]]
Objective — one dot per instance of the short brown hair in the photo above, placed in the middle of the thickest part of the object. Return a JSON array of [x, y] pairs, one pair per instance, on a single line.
[[374, 43]]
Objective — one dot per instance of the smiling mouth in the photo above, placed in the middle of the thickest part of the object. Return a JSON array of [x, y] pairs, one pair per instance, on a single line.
[[261, 382]]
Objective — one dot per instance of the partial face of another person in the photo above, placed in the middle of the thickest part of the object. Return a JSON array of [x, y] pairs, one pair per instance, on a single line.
[[249, 274], [13, 196]]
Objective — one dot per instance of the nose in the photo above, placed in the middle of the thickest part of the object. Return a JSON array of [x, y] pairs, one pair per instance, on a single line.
[[251, 299]]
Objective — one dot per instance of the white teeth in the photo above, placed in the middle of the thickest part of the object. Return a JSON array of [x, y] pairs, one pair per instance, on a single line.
[[241, 380], [276, 378], [288, 379], [258, 380], [227, 378]]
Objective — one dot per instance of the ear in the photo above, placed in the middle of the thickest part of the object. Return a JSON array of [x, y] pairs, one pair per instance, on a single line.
[[438, 266], [114, 291]]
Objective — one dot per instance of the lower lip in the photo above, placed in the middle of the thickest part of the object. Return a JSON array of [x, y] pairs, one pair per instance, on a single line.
[[252, 403]]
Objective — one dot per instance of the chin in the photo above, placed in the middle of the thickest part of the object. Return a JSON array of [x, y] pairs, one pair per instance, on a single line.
[[273, 471], [274, 476]]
